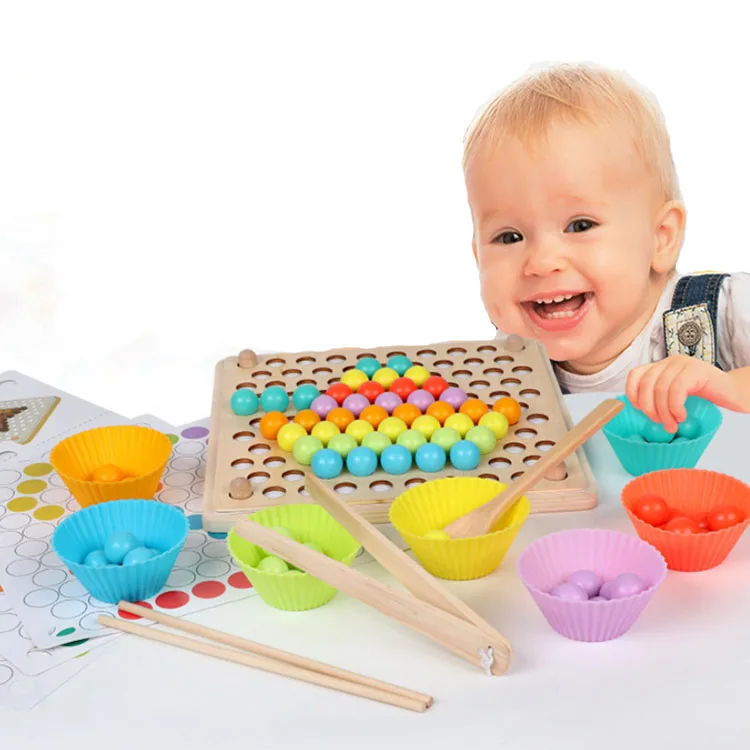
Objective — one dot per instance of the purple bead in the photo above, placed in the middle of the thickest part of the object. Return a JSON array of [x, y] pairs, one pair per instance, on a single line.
[[421, 399], [453, 396], [322, 405], [570, 592], [355, 403], [389, 401], [605, 591], [587, 580], [626, 584]]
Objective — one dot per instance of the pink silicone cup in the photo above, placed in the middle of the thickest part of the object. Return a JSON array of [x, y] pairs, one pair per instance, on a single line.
[[549, 560]]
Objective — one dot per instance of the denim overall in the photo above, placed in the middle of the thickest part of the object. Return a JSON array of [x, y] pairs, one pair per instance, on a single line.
[[690, 326]]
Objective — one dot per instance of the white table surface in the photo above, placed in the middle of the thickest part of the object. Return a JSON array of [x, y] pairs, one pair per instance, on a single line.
[[678, 678]]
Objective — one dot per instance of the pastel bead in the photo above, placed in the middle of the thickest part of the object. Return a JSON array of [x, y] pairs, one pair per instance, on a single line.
[[96, 559], [400, 363], [392, 427], [118, 545], [389, 401], [426, 424], [138, 555], [655, 433], [412, 440], [272, 564], [460, 422], [497, 422], [418, 374], [430, 458], [368, 365], [354, 378], [358, 429], [445, 437], [376, 441], [355, 403], [362, 462], [289, 434], [395, 459], [327, 464], [454, 396], [385, 376], [689, 429], [342, 444], [483, 437], [244, 402], [306, 447], [304, 395], [324, 431], [322, 405], [421, 399], [274, 398], [587, 580], [465, 456], [570, 592]]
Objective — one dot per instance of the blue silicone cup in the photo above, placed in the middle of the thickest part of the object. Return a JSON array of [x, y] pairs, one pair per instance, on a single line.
[[639, 457], [155, 524]]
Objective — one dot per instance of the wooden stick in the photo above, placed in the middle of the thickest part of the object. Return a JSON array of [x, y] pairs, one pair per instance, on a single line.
[[267, 665], [452, 632], [481, 520], [269, 652]]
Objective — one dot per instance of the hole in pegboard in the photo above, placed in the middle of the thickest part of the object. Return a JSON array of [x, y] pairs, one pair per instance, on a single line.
[[486, 348], [242, 464], [261, 375], [336, 359], [255, 422], [461, 374], [274, 492], [557, 473], [452, 384], [499, 394], [516, 475], [514, 447], [333, 381], [473, 362], [259, 448], [307, 381], [276, 382], [522, 369], [537, 418], [381, 485], [243, 437], [494, 372], [525, 433], [493, 477], [500, 463], [531, 460], [426, 353], [545, 445], [306, 360], [274, 461], [443, 363], [366, 355], [252, 386], [345, 488], [293, 475], [510, 381], [524, 406], [258, 477], [414, 482], [396, 354], [529, 393], [456, 351], [503, 358], [291, 373], [347, 368], [276, 362], [302, 491], [480, 385], [322, 371]]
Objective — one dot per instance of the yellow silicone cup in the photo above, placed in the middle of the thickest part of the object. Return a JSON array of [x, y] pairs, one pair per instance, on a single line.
[[140, 452], [434, 504]]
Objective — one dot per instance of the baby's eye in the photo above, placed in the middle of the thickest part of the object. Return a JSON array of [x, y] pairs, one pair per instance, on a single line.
[[580, 225], [508, 238]]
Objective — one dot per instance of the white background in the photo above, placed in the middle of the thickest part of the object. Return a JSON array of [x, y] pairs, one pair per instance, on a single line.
[[180, 180]]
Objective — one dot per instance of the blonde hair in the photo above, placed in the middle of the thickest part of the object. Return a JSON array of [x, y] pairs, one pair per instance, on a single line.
[[583, 93]]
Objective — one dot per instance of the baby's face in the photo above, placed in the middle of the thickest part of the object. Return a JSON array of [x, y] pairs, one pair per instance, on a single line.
[[564, 241]]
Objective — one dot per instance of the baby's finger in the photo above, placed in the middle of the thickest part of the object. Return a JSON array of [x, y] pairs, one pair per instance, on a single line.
[[646, 390], [679, 392], [634, 379], [662, 389]]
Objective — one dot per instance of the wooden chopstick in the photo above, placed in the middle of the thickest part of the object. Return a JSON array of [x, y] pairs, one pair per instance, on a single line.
[[267, 658]]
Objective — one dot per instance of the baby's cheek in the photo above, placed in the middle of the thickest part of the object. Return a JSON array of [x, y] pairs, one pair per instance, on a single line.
[[498, 295]]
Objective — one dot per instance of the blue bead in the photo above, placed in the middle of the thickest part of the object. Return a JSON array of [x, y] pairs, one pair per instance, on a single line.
[[274, 398], [655, 433], [96, 559], [399, 363], [137, 555], [430, 457], [304, 395], [244, 402], [362, 461], [118, 545], [368, 365], [395, 459], [465, 455], [327, 464]]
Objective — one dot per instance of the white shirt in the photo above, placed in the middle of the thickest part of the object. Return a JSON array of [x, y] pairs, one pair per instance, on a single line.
[[733, 339]]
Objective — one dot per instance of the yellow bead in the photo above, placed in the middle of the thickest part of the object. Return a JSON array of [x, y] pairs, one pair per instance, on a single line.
[[392, 427], [288, 436], [460, 422], [418, 374], [385, 376], [426, 424], [354, 379], [358, 429], [497, 422], [324, 431]]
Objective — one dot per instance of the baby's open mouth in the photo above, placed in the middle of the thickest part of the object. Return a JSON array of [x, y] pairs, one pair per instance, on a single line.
[[562, 306]]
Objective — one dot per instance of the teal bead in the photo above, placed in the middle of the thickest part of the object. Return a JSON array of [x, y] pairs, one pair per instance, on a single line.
[[368, 365], [399, 363], [274, 398], [655, 433], [361, 462], [137, 555], [430, 458], [327, 464], [244, 402], [304, 395], [689, 429], [396, 459], [465, 455]]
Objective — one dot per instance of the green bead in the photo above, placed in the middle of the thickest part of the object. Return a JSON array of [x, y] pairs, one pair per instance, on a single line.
[[305, 448], [273, 564], [412, 440], [342, 444], [376, 441], [446, 438], [483, 437]]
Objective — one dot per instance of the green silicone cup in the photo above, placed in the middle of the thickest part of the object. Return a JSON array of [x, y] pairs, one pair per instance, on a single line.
[[295, 590], [638, 457]]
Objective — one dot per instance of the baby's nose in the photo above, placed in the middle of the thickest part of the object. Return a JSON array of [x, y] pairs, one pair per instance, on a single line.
[[544, 257]]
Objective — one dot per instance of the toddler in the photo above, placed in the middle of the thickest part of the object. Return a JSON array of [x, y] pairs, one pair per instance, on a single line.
[[578, 223]]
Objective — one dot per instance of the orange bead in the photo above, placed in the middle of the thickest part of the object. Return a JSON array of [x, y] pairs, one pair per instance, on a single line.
[[407, 412], [341, 417], [509, 407], [270, 424], [108, 473], [373, 414], [441, 410], [307, 418], [474, 409]]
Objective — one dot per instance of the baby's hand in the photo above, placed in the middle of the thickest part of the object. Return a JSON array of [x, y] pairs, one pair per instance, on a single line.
[[660, 389]]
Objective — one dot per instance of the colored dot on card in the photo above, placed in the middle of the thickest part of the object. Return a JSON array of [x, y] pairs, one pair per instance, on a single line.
[[37, 470], [239, 581], [21, 504], [129, 616], [194, 433], [195, 521], [172, 438], [66, 631], [172, 600], [31, 486], [209, 589], [48, 512]]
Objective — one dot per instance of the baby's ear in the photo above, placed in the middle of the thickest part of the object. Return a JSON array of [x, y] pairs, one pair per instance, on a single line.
[[669, 232]]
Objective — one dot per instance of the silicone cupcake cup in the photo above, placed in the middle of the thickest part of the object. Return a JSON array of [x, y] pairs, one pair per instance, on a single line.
[[294, 590], [639, 457], [156, 525], [549, 560], [693, 492], [436, 503], [140, 452]]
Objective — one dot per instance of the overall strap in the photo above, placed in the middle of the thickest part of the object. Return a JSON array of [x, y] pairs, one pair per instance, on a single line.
[[691, 325]]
